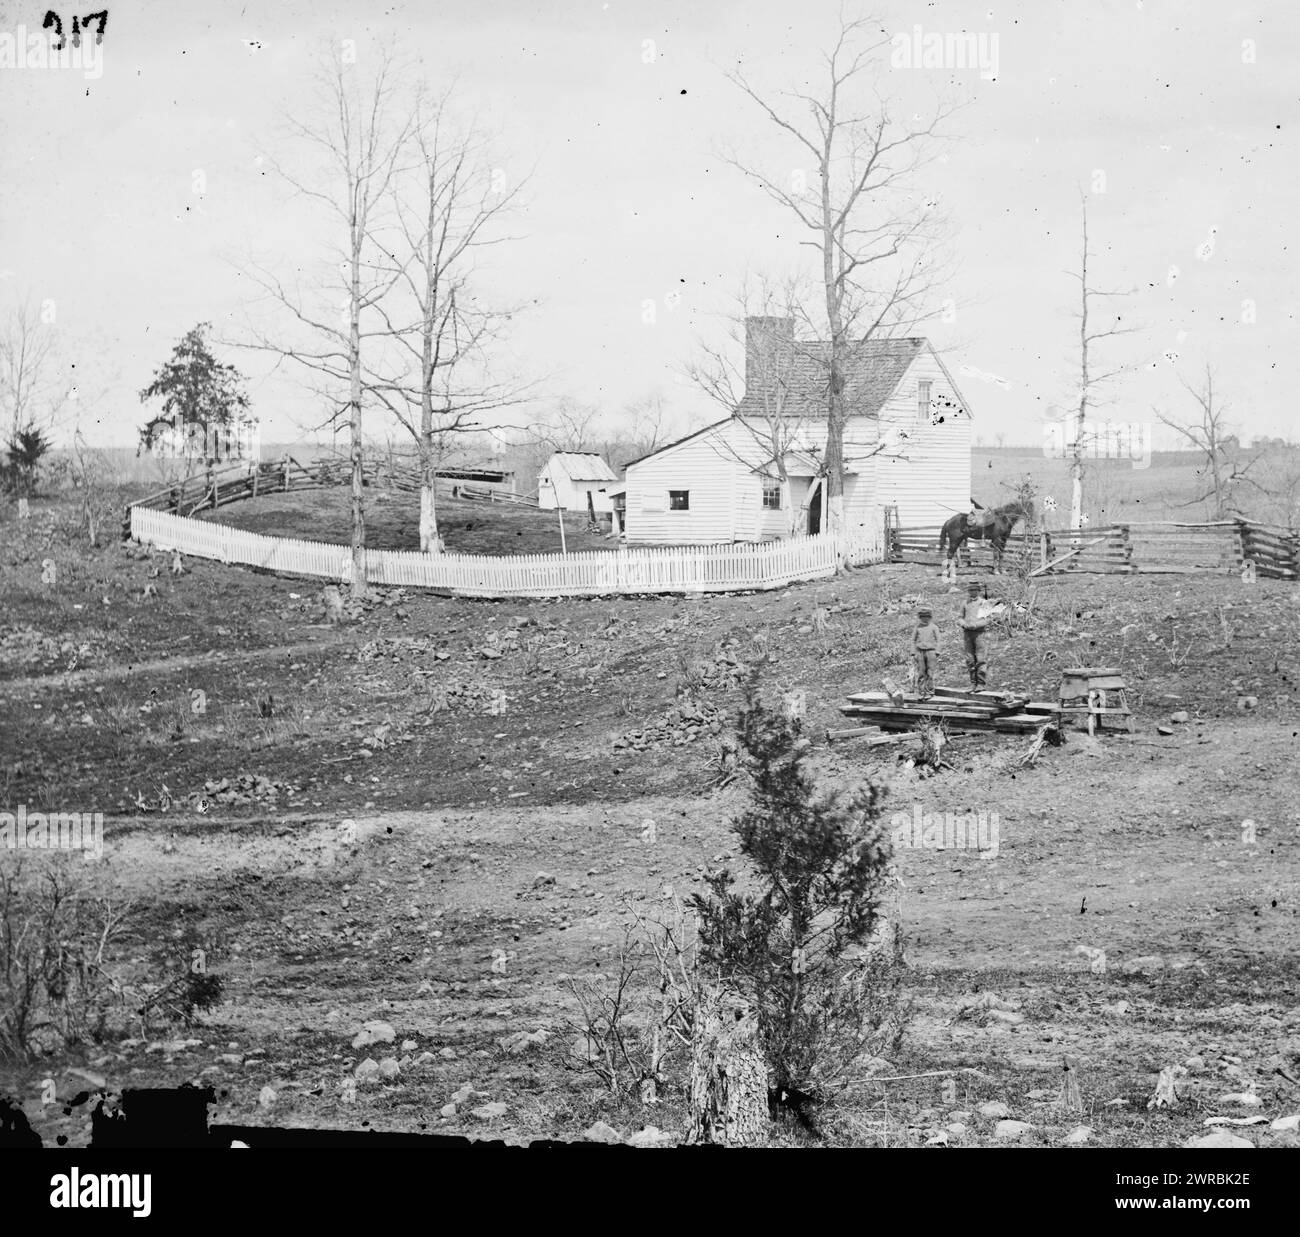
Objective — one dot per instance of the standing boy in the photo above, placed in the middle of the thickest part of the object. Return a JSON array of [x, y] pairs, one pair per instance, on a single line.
[[925, 646], [973, 623]]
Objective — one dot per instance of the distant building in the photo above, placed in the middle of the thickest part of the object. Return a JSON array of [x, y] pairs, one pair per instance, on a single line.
[[571, 478]]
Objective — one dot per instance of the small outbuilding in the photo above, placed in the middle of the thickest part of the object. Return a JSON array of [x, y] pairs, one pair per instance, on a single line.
[[576, 481]]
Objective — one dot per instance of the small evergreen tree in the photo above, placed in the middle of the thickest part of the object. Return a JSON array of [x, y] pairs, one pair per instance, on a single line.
[[794, 944], [26, 450], [203, 400]]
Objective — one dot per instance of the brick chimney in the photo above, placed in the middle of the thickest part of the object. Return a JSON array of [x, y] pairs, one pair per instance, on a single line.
[[769, 348]]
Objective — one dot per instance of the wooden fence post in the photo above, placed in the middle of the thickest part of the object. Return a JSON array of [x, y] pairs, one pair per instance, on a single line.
[[1126, 545], [285, 463]]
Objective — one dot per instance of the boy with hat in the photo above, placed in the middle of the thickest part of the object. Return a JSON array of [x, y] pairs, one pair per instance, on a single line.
[[925, 646], [973, 622]]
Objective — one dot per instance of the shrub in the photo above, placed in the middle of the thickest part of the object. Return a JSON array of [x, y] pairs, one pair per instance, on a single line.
[[796, 945], [56, 986]]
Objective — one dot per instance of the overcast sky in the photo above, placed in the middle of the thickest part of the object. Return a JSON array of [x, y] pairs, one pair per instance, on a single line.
[[1193, 128]]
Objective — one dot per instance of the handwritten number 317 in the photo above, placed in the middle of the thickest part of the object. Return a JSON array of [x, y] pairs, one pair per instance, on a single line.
[[53, 19]]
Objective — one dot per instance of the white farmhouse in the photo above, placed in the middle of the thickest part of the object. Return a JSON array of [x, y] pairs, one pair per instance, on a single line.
[[760, 473], [576, 481]]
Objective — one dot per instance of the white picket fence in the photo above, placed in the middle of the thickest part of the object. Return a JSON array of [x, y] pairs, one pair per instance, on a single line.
[[589, 573]]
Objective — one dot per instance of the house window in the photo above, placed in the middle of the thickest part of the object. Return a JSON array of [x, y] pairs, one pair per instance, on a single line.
[[923, 401], [771, 495], [679, 500]]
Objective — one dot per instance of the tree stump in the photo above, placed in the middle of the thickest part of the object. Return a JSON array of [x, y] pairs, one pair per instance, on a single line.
[[1071, 1095], [1166, 1095], [728, 1074]]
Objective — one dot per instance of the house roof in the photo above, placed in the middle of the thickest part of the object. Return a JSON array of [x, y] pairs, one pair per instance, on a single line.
[[582, 466], [677, 442], [793, 376]]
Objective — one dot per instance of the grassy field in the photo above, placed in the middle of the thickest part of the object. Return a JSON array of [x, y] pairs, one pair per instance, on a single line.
[[354, 827], [393, 522]]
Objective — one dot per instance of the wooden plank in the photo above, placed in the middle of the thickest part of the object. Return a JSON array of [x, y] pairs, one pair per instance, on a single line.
[[872, 734], [1060, 558]]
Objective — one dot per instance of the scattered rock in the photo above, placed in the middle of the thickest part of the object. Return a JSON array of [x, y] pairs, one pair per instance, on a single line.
[[519, 1043], [651, 1136], [447, 1110], [489, 1112], [425, 1058], [1011, 1129], [1247, 1098], [389, 1069], [1078, 1136], [1287, 1123], [955, 1127], [1165, 730], [602, 1133], [375, 1032], [1117, 1010], [1007, 1016], [265, 1097], [95, 1080], [1194, 1065], [994, 1108], [367, 1071], [1218, 1141], [447, 1054], [542, 879], [1181, 717], [1147, 962], [409, 1045]]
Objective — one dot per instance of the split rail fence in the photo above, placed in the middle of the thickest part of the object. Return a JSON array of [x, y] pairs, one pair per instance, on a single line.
[[1217, 548], [218, 487]]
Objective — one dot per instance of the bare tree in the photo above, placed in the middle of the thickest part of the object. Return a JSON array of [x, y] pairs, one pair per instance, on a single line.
[[1211, 436], [1090, 381], [770, 394], [461, 200], [569, 425], [875, 247], [755, 377], [34, 375], [361, 139]]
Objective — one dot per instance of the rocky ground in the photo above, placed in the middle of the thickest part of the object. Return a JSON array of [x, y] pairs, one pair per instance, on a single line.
[[394, 839]]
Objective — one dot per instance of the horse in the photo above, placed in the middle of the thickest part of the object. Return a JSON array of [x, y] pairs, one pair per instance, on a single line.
[[994, 526]]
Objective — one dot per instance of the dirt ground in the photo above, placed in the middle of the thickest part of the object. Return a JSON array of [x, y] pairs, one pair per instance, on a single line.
[[354, 826]]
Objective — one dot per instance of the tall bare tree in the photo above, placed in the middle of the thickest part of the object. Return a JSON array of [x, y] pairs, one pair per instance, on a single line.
[[754, 376], [1212, 437], [35, 376], [444, 385], [874, 245], [769, 393], [361, 139], [1090, 380]]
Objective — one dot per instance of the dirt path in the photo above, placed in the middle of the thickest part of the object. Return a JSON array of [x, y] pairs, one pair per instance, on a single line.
[[165, 665]]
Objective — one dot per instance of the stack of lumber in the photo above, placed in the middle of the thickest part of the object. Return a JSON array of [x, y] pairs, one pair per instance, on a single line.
[[1003, 712]]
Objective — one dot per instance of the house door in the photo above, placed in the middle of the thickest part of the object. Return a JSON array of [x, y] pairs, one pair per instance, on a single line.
[[815, 509]]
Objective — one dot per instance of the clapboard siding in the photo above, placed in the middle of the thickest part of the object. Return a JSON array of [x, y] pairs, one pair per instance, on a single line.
[[928, 476], [705, 466]]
